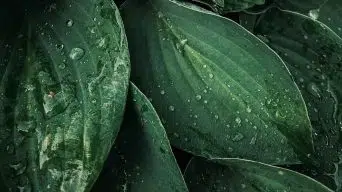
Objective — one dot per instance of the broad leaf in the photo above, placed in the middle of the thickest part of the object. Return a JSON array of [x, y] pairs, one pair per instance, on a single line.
[[313, 53], [238, 175], [142, 159], [301, 5], [220, 91], [329, 12], [225, 6], [64, 78]]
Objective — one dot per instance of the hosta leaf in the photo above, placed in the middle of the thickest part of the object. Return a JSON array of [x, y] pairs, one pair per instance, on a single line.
[[313, 53], [225, 6], [142, 159], [301, 5], [220, 91], [63, 91], [329, 12], [237, 175]]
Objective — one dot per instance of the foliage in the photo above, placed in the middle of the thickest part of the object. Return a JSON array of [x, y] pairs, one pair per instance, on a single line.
[[249, 90]]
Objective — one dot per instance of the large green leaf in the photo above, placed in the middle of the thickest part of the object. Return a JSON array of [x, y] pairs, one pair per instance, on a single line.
[[225, 6], [238, 175], [313, 53], [142, 159], [63, 90], [220, 91]]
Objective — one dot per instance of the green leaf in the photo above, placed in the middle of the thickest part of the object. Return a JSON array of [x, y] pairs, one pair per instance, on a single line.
[[62, 92], [142, 157], [225, 6], [313, 53], [328, 12], [304, 6], [220, 91], [235, 175]]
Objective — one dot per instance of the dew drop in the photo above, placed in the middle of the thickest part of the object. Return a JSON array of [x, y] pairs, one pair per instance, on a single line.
[[280, 172], [171, 108], [314, 13], [198, 97], [253, 140], [61, 66], [211, 76], [59, 46], [205, 101], [248, 109], [70, 23], [238, 137], [238, 120], [216, 116], [183, 42], [314, 90], [76, 53], [162, 92]]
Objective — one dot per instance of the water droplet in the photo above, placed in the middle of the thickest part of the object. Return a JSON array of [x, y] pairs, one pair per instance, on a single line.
[[61, 66], [238, 120], [59, 46], [216, 116], [238, 137], [76, 53], [281, 172], [314, 13], [211, 76], [162, 92], [306, 37], [204, 66], [253, 140], [243, 186], [183, 42], [70, 23], [101, 42], [198, 97], [171, 108], [314, 90], [248, 109], [205, 101]]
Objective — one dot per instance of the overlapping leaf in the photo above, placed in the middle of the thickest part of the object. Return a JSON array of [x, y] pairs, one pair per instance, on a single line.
[[219, 90], [313, 53], [225, 6], [64, 78], [301, 5], [328, 12], [238, 175], [142, 159]]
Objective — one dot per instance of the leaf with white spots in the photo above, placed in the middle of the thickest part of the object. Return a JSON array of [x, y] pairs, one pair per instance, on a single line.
[[64, 71]]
